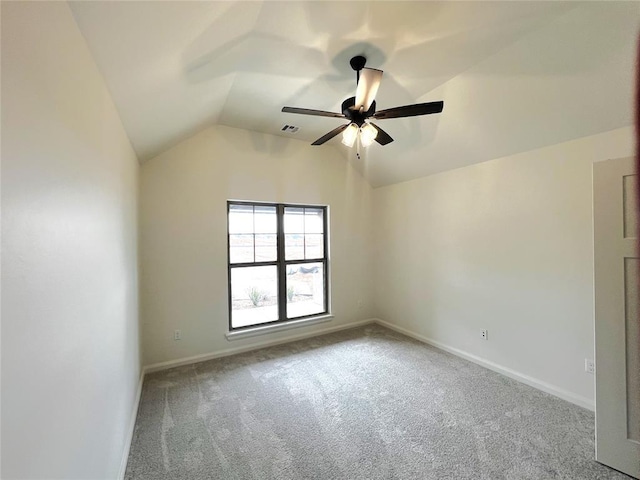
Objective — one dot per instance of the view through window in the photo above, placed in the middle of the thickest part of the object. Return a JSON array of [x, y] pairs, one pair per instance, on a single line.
[[277, 262]]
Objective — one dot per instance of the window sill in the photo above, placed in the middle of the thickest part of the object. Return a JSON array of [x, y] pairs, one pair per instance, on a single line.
[[263, 330]]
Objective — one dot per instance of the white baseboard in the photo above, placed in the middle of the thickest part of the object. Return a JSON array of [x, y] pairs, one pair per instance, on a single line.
[[132, 426], [156, 367], [521, 377]]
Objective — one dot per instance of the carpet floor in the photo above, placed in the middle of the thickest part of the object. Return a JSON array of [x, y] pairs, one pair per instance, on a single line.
[[365, 403]]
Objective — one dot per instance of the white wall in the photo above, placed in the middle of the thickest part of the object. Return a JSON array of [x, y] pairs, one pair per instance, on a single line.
[[184, 194], [70, 342], [505, 245]]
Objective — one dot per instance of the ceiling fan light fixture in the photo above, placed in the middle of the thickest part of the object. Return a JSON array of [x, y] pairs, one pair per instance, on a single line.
[[368, 134], [350, 134], [357, 110]]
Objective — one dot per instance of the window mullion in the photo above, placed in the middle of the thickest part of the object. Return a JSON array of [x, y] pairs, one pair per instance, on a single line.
[[282, 270], [304, 231], [253, 219], [229, 298], [325, 257]]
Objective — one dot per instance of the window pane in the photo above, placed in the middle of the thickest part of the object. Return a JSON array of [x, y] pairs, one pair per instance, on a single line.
[[254, 237], [254, 295], [240, 218], [293, 220], [314, 247], [240, 248], [305, 289], [265, 219], [266, 250], [313, 220], [294, 247]]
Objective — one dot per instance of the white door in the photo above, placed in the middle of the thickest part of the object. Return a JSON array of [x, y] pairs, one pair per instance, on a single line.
[[617, 315]]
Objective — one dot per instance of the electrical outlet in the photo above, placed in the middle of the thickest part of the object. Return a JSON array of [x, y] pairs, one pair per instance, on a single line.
[[485, 334], [589, 366], [177, 335]]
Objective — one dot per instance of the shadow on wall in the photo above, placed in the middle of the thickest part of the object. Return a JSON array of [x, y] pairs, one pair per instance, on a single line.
[[270, 144]]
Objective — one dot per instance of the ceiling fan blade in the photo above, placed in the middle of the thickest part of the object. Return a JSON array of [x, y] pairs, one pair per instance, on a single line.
[[410, 110], [383, 138], [330, 135], [368, 83], [307, 111]]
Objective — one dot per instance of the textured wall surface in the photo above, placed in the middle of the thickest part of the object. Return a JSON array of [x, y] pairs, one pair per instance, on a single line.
[[184, 194], [507, 246], [70, 341]]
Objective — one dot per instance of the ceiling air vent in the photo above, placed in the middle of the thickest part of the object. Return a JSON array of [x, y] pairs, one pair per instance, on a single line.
[[290, 128]]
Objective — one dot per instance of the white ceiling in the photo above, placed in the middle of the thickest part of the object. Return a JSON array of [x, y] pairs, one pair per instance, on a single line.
[[513, 75]]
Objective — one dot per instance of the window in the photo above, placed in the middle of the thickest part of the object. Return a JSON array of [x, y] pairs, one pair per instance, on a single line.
[[277, 263]]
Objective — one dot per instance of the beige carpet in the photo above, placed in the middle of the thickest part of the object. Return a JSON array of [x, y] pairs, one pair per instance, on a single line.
[[366, 403]]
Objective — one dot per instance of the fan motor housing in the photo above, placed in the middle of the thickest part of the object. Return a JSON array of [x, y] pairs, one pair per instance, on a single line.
[[354, 115]]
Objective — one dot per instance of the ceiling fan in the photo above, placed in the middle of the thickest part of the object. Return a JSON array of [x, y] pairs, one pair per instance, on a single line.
[[360, 108]]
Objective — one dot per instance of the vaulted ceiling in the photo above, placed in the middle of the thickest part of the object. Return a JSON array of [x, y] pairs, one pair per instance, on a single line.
[[513, 75]]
